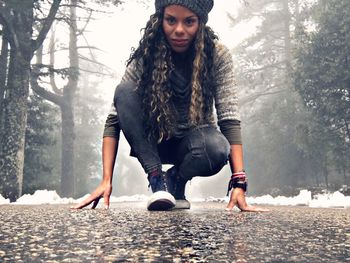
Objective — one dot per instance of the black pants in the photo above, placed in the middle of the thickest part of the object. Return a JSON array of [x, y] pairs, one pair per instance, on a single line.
[[201, 152]]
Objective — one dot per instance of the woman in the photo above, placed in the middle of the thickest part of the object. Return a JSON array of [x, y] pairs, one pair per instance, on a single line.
[[164, 106]]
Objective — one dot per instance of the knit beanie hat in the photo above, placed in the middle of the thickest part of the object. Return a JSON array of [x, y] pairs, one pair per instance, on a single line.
[[199, 7]]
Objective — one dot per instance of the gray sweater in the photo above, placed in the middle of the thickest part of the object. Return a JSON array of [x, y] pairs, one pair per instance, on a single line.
[[225, 97]]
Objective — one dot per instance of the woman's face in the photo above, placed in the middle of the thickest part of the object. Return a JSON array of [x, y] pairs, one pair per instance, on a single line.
[[180, 26]]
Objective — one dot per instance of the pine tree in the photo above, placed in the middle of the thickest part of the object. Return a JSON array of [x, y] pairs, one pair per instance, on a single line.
[[41, 148]]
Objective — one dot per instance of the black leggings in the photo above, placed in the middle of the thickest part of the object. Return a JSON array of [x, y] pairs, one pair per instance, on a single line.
[[201, 152]]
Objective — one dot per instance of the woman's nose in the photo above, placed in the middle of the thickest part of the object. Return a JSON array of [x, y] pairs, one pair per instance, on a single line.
[[179, 29]]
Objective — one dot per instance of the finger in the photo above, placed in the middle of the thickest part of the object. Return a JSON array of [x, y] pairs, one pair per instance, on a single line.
[[85, 202], [106, 200], [254, 209], [230, 206], [97, 199], [232, 202], [262, 210], [81, 205]]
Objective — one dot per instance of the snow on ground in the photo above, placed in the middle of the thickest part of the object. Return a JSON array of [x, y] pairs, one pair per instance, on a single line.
[[4, 201], [326, 200], [42, 197], [304, 198]]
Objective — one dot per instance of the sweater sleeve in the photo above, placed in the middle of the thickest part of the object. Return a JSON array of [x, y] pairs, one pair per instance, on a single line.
[[112, 128], [231, 129], [132, 72], [225, 90]]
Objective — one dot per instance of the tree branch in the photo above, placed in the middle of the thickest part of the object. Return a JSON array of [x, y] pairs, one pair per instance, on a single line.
[[81, 31], [46, 25], [5, 20], [96, 72], [257, 95], [52, 63], [50, 96]]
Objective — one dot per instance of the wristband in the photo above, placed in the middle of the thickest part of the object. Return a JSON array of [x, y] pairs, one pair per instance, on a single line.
[[238, 180]]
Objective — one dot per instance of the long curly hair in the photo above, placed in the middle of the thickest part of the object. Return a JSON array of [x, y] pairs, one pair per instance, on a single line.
[[154, 60]]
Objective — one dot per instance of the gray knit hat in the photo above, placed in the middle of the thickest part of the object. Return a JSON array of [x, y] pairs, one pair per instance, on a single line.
[[199, 7]]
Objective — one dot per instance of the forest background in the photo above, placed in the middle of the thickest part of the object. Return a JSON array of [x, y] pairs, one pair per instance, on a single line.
[[60, 61]]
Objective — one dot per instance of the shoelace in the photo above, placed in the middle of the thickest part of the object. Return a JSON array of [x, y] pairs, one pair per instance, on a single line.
[[237, 180], [158, 180]]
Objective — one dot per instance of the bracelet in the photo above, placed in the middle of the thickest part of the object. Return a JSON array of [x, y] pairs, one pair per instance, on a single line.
[[238, 180]]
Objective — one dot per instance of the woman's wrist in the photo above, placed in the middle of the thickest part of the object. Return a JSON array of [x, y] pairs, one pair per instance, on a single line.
[[238, 180], [107, 179], [239, 171]]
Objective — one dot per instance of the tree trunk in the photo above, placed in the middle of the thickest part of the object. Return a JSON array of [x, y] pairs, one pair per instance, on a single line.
[[287, 39], [344, 175], [347, 126], [3, 69], [15, 108], [3, 77], [68, 174], [325, 170], [317, 181], [67, 163], [12, 140], [65, 99], [17, 21]]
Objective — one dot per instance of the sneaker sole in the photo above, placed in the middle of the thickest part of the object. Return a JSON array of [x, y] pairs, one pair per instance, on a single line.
[[182, 204], [161, 201]]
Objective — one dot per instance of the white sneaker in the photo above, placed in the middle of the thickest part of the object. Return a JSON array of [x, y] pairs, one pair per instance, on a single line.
[[161, 201], [182, 204]]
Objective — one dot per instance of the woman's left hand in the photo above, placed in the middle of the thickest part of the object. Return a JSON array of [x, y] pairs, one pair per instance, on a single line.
[[238, 199]]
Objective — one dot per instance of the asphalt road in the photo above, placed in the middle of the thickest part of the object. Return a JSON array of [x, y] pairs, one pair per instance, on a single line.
[[127, 232]]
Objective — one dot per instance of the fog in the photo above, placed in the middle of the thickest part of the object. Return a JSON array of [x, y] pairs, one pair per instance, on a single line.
[[293, 97], [126, 22], [304, 198]]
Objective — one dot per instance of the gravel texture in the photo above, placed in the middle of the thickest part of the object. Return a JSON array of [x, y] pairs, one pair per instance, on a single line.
[[127, 232]]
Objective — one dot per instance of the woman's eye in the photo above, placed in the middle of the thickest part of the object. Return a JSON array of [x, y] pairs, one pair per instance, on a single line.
[[170, 20], [189, 22]]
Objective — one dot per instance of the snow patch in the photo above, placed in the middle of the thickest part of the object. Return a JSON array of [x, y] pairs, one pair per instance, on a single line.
[[4, 201], [133, 198], [336, 199], [51, 197], [43, 197], [304, 198]]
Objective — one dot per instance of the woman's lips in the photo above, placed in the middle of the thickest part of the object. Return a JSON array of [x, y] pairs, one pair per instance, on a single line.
[[179, 42]]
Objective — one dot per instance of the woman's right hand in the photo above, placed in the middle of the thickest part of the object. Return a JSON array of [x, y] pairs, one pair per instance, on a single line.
[[103, 190], [238, 199], [109, 152]]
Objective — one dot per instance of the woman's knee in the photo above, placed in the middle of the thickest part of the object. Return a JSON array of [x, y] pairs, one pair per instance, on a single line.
[[217, 149], [208, 153]]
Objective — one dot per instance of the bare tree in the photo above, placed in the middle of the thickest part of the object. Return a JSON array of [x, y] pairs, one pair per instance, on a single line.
[[64, 98], [17, 20]]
